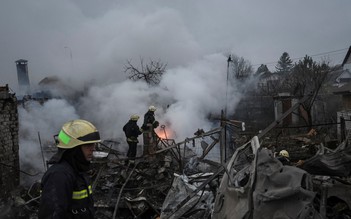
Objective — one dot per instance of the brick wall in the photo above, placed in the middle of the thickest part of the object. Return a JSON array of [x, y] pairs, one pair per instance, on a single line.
[[9, 158]]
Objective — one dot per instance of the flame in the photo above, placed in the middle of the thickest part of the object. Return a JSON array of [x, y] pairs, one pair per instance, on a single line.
[[164, 133]]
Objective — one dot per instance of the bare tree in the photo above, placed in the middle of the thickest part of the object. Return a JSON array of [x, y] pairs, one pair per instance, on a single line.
[[241, 68], [150, 72], [307, 78]]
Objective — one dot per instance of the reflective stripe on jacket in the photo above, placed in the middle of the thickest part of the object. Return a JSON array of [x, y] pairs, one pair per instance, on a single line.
[[65, 194], [82, 193], [132, 139]]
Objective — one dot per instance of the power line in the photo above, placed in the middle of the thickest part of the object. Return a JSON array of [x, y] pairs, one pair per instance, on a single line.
[[319, 54]]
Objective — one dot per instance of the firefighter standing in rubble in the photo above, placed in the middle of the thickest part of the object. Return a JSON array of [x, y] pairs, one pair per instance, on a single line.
[[132, 131], [66, 190], [149, 135]]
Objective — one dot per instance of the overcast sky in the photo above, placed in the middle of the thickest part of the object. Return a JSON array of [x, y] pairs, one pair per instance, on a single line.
[[91, 39]]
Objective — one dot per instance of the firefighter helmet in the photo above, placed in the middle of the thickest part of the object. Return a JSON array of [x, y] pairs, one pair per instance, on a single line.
[[152, 108], [77, 132], [134, 117], [284, 153]]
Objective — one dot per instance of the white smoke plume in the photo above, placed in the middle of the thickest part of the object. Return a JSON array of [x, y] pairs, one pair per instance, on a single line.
[[38, 124], [87, 54], [184, 99]]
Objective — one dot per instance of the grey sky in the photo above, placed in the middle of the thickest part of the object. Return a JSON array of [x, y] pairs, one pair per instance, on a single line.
[[102, 35]]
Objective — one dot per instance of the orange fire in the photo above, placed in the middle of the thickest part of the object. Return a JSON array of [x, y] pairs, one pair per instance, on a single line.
[[164, 132]]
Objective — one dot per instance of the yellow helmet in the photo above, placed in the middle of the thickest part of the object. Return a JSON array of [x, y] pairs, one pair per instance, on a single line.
[[152, 108], [134, 117], [77, 132], [284, 153]]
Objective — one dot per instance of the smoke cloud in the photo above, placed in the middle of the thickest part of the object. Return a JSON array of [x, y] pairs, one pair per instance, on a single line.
[[38, 125], [185, 98]]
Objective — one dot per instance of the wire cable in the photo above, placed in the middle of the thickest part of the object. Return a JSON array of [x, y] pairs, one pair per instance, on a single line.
[[318, 54]]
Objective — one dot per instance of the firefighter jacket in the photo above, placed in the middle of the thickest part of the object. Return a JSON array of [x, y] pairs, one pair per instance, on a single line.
[[284, 160], [66, 193], [149, 118], [132, 131]]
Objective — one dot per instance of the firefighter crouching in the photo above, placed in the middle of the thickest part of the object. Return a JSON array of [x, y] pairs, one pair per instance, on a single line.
[[66, 189], [132, 131], [283, 157], [149, 135]]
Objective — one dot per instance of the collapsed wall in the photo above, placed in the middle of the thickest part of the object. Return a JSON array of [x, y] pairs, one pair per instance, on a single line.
[[9, 157]]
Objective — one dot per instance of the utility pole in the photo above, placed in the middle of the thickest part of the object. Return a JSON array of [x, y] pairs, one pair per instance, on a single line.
[[226, 91], [224, 118]]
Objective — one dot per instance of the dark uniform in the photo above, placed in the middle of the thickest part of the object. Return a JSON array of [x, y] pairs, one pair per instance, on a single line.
[[66, 189], [149, 135], [284, 160], [132, 131], [149, 118]]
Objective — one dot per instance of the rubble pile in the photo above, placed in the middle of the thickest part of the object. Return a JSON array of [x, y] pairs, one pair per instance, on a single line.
[[142, 188], [136, 190], [153, 186], [177, 181], [300, 146], [22, 203], [258, 184]]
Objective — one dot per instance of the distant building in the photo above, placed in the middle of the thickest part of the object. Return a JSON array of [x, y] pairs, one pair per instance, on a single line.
[[346, 64], [345, 75], [268, 81], [282, 103], [23, 78], [344, 89]]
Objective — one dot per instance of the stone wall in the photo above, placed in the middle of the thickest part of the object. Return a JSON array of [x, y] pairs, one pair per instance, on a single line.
[[9, 157]]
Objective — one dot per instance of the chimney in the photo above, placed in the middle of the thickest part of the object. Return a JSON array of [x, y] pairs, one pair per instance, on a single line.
[[22, 75]]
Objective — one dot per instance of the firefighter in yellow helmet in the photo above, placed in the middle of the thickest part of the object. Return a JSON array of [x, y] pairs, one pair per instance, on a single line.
[[66, 189], [132, 131], [149, 118], [149, 135], [283, 157]]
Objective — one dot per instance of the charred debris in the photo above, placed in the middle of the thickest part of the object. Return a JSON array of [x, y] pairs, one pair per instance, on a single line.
[[223, 173]]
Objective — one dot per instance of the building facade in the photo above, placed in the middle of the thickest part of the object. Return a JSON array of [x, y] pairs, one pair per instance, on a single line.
[[9, 146]]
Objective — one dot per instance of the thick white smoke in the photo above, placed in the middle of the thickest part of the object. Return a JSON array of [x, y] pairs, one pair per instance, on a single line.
[[198, 90], [87, 54], [184, 99], [38, 124]]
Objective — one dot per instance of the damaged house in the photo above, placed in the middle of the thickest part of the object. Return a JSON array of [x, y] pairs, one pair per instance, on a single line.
[[343, 89]]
